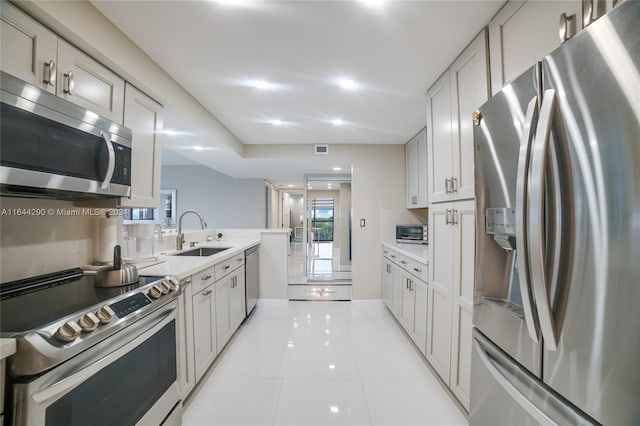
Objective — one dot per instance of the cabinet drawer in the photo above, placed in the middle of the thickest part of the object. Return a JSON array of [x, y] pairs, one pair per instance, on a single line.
[[418, 269], [224, 268], [202, 279], [390, 254]]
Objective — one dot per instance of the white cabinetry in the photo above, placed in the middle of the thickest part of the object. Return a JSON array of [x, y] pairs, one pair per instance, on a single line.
[[229, 306], [144, 117], [87, 83], [452, 265], [522, 33], [405, 293], [38, 56], [186, 369], [416, 168], [204, 323], [451, 102], [28, 49]]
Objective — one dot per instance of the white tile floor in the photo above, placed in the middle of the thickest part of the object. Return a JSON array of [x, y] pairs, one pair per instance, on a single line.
[[321, 363]]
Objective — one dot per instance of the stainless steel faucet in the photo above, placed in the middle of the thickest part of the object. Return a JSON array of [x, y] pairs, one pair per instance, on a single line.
[[180, 239]]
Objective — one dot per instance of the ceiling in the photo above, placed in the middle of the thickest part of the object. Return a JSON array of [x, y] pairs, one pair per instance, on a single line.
[[217, 50]]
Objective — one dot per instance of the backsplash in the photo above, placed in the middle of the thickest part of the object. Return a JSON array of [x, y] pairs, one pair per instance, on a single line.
[[42, 236]]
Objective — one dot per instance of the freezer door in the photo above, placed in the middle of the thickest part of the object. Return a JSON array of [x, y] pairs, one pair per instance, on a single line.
[[502, 310], [592, 104], [504, 393]]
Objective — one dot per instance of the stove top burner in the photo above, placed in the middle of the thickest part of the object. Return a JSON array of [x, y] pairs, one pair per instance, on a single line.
[[34, 302], [56, 316]]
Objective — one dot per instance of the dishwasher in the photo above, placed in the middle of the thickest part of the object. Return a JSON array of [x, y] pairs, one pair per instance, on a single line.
[[251, 262]]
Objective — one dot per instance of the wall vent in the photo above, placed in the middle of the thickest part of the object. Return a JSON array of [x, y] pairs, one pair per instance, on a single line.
[[321, 149]]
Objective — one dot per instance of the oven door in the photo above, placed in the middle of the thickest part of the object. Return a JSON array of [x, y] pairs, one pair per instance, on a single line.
[[128, 379]]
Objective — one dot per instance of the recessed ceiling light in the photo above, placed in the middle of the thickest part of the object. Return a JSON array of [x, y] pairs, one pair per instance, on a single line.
[[373, 3], [198, 148], [348, 84], [261, 84], [337, 122], [334, 409], [290, 186], [337, 169], [309, 187], [277, 122]]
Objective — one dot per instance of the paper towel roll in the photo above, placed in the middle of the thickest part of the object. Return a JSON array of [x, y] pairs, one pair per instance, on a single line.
[[108, 235]]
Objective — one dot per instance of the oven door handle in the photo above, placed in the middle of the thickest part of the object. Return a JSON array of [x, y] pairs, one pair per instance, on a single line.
[[158, 321]]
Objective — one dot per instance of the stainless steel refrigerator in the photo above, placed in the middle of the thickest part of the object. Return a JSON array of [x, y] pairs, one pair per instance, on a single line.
[[556, 336]]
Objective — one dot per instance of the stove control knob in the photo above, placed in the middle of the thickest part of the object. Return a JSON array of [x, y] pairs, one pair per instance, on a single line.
[[68, 331], [89, 322], [164, 287], [154, 292], [105, 314], [173, 282]]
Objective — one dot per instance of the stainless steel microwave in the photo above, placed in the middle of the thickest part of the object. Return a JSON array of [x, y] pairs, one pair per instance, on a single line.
[[54, 148], [415, 234]]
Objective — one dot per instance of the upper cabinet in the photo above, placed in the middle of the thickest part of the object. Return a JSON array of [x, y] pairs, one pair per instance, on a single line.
[[523, 32], [144, 117], [451, 102], [88, 84], [416, 167], [38, 56], [29, 50]]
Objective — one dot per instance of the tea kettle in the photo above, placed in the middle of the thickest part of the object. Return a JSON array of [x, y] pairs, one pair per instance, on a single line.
[[120, 274]]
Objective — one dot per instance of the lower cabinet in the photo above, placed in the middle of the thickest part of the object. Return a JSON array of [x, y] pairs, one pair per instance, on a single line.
[[405, 294], [204, 329], [230, 302], [184, 325]]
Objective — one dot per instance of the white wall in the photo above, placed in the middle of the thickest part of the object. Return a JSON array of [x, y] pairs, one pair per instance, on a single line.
[[378, 184], [223, 201]]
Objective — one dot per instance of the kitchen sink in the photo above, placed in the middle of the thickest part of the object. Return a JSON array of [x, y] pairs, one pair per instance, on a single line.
[[202, 251]]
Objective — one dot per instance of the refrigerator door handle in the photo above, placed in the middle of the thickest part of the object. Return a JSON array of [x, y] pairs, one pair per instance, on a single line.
[[506, 380], [535, 222], [521, 219]]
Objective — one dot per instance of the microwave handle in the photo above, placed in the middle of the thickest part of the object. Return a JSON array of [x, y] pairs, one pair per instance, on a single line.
[[112, 161]]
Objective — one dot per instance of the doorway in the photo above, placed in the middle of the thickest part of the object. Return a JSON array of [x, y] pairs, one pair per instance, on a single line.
[[321, 249]]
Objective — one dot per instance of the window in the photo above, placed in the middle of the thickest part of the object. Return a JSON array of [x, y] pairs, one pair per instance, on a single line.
[[322, 219]]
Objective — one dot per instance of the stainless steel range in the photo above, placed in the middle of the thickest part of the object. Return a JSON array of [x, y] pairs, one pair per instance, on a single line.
[[89, 355]]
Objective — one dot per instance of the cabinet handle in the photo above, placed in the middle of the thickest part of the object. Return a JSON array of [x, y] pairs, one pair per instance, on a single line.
[[388, 268], [404, 262], [49, 75], [206, 277], [69, 83], [206, 293], [418, 270], [393, 256], [446, 186], [447, 218], [226, 267], [185, 282], [454, 220], [568, 25], [454, 184], [414, 200]]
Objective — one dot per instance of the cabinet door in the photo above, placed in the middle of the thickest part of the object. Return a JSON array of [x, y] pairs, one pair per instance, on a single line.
[[463, 280], [407, 303], [440, 152], [87, 83], [185, 340], [28, 49], [223, 322], [522, 33], [204, 338], [387, 283], [411, 158], [237, 309], [396, 283], [440, 289], [420, 315], [469, 76], [423, 170], [144, 117]]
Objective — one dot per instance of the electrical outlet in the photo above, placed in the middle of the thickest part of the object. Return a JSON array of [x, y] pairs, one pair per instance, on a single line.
[[362, 223]]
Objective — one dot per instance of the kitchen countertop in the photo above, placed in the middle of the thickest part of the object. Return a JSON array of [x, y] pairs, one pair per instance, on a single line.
[[183, 266], [417, 252], [7, 348]]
